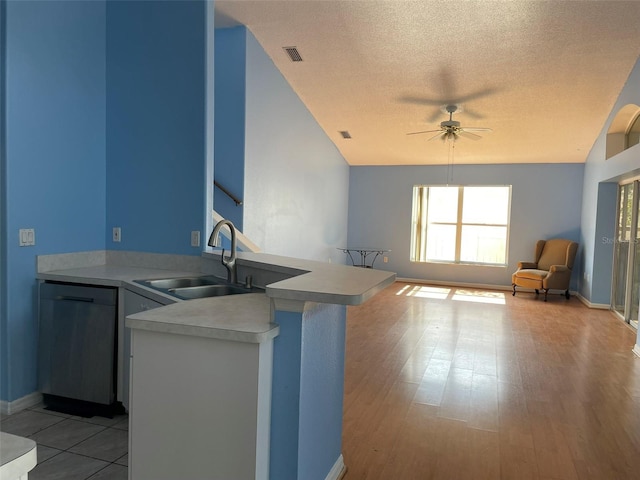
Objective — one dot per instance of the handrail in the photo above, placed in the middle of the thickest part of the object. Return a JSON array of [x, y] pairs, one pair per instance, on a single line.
[[246, 245], [228, 193]]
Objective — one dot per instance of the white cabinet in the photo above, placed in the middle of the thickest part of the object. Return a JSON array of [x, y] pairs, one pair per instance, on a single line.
[[200, 407], [131, 303]]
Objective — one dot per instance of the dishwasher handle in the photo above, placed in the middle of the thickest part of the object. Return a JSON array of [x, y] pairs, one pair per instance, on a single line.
[[86, 294], [74, 299]]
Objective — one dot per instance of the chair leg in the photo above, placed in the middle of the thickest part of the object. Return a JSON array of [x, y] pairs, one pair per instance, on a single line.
[[546, 290], [567, 295], [537, 292], [514, 289]]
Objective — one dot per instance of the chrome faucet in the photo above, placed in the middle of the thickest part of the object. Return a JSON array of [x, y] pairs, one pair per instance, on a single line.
[[230, 262]]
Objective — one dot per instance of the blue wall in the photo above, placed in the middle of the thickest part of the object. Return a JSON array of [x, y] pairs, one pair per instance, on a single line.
[[296, 180], [308, 389], [545, 203], [155, 125], [3, 212], [55, 158], [230, 60], [599, 204], [105, 126]]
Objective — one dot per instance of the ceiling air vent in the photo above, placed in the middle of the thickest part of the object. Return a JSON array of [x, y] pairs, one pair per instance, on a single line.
[[345, 134], [293, 53]]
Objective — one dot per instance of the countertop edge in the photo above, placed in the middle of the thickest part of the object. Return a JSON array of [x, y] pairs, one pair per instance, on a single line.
[[212, 332], [17, 454]]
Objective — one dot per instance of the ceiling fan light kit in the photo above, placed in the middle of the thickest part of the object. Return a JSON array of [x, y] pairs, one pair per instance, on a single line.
[[451, 129]]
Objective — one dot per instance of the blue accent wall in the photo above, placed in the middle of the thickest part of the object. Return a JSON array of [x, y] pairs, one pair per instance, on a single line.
[[230, 61], [103, 125], [321, 390], [308, 390], [54, 158], [3, 201], [285, 396], [545, 203], [156, 102]]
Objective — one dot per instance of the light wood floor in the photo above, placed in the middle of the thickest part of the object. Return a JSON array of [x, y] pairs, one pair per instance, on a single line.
[[455, 384]]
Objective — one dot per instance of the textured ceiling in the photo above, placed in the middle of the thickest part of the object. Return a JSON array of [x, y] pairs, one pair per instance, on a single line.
[[543, 75]]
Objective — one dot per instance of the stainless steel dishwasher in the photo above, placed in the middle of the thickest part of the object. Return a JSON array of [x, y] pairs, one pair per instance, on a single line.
[[77, 347]]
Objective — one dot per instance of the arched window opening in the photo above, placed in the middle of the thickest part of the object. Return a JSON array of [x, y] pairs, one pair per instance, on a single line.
[[633, 135], [624, 131]]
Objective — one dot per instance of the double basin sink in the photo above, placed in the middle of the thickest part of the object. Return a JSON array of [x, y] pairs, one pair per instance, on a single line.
[[189, 288]]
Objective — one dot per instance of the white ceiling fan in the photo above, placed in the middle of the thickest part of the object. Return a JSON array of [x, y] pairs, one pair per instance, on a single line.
[[451, 129]]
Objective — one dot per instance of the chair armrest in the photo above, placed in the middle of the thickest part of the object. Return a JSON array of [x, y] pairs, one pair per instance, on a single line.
[[559, 269], [522, 265], [559, 277]]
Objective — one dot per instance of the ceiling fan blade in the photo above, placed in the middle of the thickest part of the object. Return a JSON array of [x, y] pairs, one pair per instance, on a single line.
[[437, 114], [424, 131], [476, 129], [471, 113], [441, 135], [470, 136], [478, 94], [420, 100]]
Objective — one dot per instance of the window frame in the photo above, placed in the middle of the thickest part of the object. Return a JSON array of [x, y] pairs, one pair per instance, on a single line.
[[419, 226]]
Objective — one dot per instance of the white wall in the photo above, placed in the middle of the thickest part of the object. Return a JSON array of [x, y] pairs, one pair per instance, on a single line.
[[296, 181]]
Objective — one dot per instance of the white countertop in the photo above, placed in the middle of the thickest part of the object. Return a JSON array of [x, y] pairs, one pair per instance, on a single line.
[[240, 318], [18, 455], [314, 281], [243, 317]]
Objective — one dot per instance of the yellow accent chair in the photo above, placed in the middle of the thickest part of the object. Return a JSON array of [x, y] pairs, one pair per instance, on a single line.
[[551, 269]]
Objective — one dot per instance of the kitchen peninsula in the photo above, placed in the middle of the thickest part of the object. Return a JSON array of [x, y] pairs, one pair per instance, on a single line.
[[302, 314]]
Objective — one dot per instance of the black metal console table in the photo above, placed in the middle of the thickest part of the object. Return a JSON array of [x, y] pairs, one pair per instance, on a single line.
[[364, 253]]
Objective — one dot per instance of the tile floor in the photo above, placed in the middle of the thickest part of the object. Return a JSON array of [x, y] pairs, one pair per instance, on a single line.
[[73, 448]]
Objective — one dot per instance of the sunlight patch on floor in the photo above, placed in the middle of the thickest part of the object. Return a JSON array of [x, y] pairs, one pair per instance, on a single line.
[[479, 296], [458, 294], [436, 293]]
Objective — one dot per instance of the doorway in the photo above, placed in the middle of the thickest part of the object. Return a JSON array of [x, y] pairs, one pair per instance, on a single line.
[[626, 270]]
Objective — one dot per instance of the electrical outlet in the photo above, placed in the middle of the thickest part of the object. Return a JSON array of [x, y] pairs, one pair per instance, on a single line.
[[117, 234], [195, 238], [385, 259]]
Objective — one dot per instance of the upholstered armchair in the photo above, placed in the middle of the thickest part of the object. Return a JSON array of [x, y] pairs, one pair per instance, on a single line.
[[551, 269]]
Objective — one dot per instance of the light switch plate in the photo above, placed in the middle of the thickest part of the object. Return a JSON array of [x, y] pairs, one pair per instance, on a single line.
[[27, 237], [195, 238], [117, 234]]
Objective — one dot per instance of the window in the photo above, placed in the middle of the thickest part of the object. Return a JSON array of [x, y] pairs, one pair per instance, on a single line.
[[456, 224], [633, 135]]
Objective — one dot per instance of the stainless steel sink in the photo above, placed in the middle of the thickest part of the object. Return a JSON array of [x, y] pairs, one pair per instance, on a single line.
[[189, 288], [182, 282], [205, 291]]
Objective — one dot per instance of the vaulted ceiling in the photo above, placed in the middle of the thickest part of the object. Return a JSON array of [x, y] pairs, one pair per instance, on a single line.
[[542, 75]]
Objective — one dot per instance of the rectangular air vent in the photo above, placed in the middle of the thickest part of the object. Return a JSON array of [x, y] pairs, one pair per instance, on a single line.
[[345, 134], [293, 53]]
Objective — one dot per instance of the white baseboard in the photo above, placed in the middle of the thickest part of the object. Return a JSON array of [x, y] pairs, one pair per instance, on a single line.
[[636, 349], [338, 470], [9, 408], [600, 306]]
